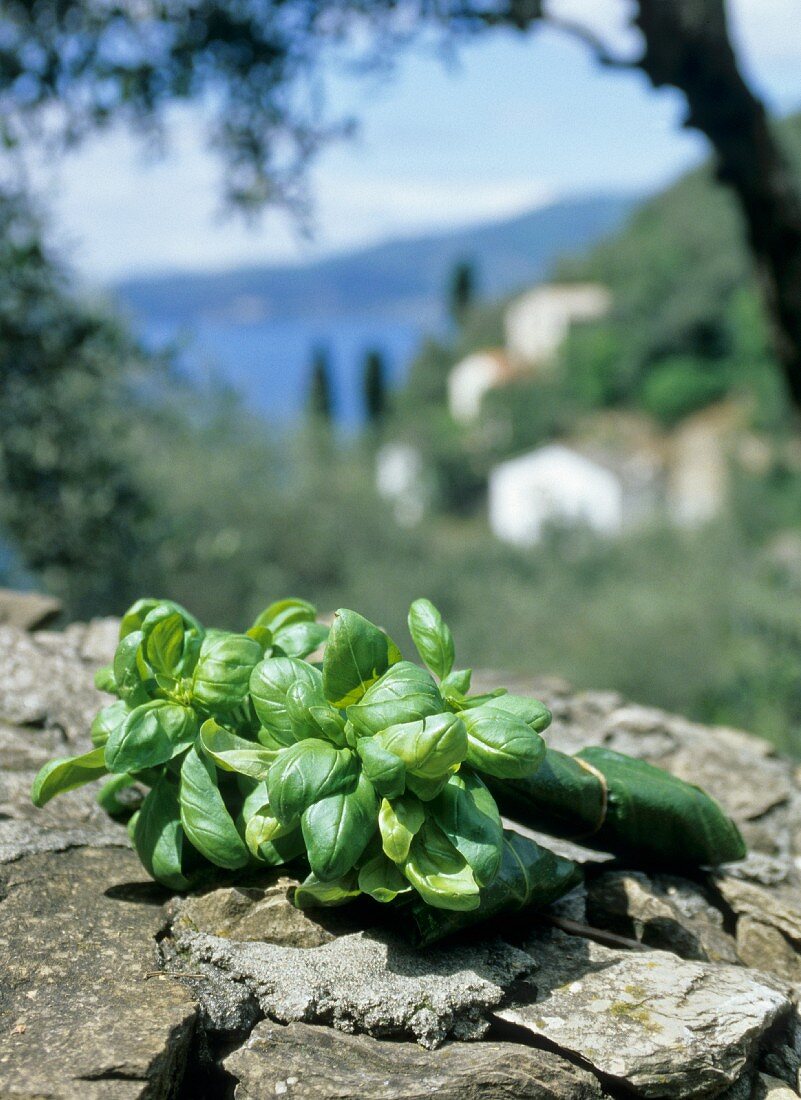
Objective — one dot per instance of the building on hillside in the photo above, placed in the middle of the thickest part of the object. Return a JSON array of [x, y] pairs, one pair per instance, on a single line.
[[538, 321], [400, 478], [472, 378], [702, 451], [553, 485]]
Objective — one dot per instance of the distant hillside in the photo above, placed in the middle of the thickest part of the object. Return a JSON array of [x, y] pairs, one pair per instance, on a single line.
[[401, 280]]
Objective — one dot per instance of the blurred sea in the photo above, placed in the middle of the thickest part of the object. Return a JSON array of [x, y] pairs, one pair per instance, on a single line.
[[269, 362]]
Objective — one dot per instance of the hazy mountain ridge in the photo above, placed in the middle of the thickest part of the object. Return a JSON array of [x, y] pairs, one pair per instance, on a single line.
[[400, 279]]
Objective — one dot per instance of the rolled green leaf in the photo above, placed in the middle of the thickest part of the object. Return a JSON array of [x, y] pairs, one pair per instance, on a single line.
[[529, 877], [59, 776], [563, 797], [356, 655]]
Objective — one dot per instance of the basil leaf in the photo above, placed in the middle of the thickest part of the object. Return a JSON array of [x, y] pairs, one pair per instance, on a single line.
[[305, 773], [233, 753], [385, 771], [159, 837], [207, 823], [151, 734], [440, 875], [136, 614], [337, 829], [286, 612], [501, 744], [432, 637], [403, 694], [263, 828], [429, 748], [131, 674], [312, 715], [107, 796], [107, 721], [456, 684], [468, 816], [398, 822], [356, 655], [312, 892], [531, 711], [261, 635], [382, 880], [270, 682], [223, 670], [426, 789], [301, 639], [104, 680], [163, 640], [59, 776]]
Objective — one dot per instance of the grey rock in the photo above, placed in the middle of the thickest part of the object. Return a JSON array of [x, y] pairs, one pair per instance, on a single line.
[[763, 947], [778, 906], [303, 1062], [84, 1011], [367, 981], [660, 1026], [660, 911], [27, 610], [771, 1088]]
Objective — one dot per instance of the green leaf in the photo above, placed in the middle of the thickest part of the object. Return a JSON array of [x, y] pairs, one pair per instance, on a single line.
[[312, 715], [501, 744], [426, 789], [432, 637], [163, 640], [429, 748], [440, 875], [207, 823], [403, 694], [159, 837], [456, 684], [107, 796], [107, 721], [263, 828], [356, 655], [104, 680], [338, 828], [223, 670], [301, 639], [306, 772], [284, 613], [262, 635], [385, 771], [270, 682], [531, 711], [312, 893], [398, 822], [382, 880], [233, 753], [131, 674], [151, 734], [59, 776], [468, 816], [136, 614]]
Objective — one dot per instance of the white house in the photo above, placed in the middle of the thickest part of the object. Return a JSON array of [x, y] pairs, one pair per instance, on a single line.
[[472, 378], [553, 485], [400, 478], [538, 321]]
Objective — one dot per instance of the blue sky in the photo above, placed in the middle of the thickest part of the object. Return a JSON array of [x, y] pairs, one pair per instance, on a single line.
[[514, 123]]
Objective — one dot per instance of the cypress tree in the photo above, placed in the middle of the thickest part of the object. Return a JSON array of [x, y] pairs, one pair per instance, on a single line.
[[321, 406], [375, 387]]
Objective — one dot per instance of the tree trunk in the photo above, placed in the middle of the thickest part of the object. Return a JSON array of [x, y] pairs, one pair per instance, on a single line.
[[687, 46]]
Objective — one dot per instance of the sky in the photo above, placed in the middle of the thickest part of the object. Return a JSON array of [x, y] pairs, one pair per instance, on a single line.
[[516, 122]]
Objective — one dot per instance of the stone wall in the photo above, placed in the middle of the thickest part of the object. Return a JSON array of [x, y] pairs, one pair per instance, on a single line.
[[638, 984]]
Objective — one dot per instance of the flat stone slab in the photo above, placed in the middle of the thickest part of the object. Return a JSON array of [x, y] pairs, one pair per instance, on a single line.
[[366, 981], [302, 1062], [84, 1012], [661, 1026]]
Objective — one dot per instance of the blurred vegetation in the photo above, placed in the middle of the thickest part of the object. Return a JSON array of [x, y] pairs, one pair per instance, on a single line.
[[119, 478]]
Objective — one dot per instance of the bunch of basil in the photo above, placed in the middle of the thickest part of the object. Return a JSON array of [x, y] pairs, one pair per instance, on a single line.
[[366, 765]]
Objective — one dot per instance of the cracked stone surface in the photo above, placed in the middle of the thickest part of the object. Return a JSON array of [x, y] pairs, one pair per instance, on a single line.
[[83, 1012], [275, 1062], [87, 1010], [661, 1026], [365, 981]]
